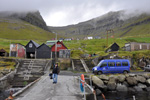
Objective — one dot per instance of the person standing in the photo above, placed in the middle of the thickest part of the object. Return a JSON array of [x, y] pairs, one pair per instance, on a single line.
[[55, 73]]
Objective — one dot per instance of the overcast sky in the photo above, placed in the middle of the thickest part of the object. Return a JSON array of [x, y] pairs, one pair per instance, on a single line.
[[66, 12]]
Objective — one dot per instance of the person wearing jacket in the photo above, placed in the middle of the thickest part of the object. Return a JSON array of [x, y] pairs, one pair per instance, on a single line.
[[55, 73]]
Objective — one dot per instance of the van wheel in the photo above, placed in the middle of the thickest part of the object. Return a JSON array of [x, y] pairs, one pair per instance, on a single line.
[[125, 72], [99, 73]]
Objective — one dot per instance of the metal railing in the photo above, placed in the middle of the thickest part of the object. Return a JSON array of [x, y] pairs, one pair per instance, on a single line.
[[87, 85]]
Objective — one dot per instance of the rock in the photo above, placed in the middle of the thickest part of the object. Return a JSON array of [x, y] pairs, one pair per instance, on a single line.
[[97, 81], [148, 81], [113, 76], [132, 90], [148, 89], [125, 83], [143, 86], [121, 88], [140, 79], [131, 80], [103, 77], [146, 75], [127, 75], [105, 82], [138, 89], [111, 84], [132, 75], [121, 78], [98, 92]]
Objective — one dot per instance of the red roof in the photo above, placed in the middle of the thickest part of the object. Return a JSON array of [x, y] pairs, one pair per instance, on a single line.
[[60, 45]]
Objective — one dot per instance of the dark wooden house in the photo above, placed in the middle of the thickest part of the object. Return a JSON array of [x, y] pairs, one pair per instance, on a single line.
[[60, 46], [2, 52], [17, 50], [43, 51], [31, 48], [112, 48]]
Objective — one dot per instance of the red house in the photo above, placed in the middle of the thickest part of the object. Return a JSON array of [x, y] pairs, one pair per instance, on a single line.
[[17, 50], [60, 46]]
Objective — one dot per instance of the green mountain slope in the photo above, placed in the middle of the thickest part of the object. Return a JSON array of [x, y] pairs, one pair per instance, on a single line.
[[13, 28]]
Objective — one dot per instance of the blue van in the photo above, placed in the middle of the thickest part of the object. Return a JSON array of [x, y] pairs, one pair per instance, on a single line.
[[112, 66]]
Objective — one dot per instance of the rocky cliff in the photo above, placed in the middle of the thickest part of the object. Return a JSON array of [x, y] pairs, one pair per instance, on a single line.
[[121, 23], [33, 18]]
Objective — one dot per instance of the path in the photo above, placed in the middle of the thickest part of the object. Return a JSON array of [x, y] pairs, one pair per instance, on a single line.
[[67, 88]]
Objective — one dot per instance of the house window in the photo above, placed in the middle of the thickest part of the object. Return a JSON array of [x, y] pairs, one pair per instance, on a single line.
[[59, 45], [30, 45]]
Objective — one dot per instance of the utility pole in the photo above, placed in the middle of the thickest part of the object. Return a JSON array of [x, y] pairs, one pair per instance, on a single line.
[[110, 31], [55, 47]]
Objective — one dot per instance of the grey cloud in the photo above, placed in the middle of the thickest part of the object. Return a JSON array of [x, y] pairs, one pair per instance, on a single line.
[[75, 10]]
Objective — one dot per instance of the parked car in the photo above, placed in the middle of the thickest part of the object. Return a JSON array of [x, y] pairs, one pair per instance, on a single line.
[[147, 68], [112, 66]]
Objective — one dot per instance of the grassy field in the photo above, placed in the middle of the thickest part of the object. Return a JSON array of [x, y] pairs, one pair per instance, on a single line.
[[98, 46]]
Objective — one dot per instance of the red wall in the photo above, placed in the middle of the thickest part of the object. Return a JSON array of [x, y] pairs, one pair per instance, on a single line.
[[59, 46], [21, 52]]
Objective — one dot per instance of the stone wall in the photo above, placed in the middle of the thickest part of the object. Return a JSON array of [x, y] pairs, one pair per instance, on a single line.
[[122, 83], [4, 81]]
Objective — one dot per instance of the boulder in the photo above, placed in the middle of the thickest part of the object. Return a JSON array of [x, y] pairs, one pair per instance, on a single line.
[[143, 86], [126, 83], [121, 78], [121, 88], [105, 82], [113, 76], [131, 90], [131, 80], [103, 77], [97, 81], [98, 92], [146, 75], [132, 75], [138, 89], [148, 89], [148, 81], [140, 79], [111, 84]]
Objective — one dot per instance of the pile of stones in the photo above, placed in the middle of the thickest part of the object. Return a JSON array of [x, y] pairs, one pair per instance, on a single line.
[[122, 82]]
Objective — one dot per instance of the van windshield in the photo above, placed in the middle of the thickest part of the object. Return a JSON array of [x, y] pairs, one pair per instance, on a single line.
[[99, 63]]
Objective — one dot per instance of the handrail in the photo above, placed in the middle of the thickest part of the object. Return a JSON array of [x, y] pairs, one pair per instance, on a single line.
[[17, 65], [93, 91], [84, 65]]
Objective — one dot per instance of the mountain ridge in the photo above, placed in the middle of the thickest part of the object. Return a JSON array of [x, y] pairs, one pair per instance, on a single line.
[[117, 21]]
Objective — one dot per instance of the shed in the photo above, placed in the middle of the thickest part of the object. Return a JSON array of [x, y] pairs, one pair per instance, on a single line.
[[31, 48], [60, 46], [2, 52], [134, 46], [43, 51], [113, 47], [17, 50]]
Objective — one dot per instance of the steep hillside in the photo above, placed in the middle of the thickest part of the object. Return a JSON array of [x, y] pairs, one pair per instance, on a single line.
[[122, 27], [33, 17], [23, 26]]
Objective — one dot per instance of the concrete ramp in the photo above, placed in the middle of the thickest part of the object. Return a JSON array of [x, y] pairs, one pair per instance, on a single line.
[[67, 88]]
